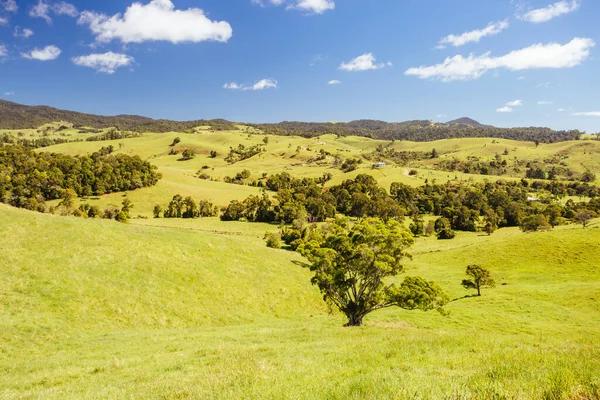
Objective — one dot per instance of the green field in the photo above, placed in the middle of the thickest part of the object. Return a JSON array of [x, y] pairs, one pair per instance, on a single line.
[[175, 309], [97, 309]]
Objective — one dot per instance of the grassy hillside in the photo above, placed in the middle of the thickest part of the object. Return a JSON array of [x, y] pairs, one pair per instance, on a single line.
[[97, 309], [296, 155]]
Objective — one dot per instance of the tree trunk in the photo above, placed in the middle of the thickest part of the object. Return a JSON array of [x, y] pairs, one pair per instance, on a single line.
[[478, 291], [354, 320]]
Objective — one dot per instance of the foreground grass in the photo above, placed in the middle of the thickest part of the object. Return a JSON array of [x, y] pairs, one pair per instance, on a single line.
[[96, 309]]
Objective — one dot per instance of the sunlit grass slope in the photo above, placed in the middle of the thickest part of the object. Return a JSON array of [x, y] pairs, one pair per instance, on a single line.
[[96, 309], [293, 155]]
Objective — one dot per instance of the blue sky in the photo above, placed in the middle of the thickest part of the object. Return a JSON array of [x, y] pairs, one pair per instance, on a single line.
[[502, 62]]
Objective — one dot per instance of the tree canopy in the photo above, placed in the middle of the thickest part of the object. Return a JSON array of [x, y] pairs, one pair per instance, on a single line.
[[352, 263]]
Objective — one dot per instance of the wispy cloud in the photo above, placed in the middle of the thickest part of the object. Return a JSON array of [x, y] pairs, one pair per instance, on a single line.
[[505, 109], [363, 63], [107, 62], [48, 53], [475, 36], [545, 102], [43, 10], [23, 33], [515, 103], [9, 93], [552, 11], [587, 114], [334, 82], [10, 6], [552, 55], [260, 85], [307, 6]]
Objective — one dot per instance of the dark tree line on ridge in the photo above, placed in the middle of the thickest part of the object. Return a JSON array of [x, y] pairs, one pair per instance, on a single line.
[[417, 131], [28, 179]]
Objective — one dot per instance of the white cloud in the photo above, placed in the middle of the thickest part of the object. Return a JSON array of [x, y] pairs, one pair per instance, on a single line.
[[505, 110], [3, 51], [334, 82], [551, 55], [521, 78], [156, 21], [3, 21], [9, 93], [308, 6], [561, 110], [260, 85], [363, 63], [493, 28], [106, 62], [24, 33], [64, 8], [545, 102], [46, 54], [11, 6], [587, 114], [41, 10], [441, 116], [552, 11], [515, 103]]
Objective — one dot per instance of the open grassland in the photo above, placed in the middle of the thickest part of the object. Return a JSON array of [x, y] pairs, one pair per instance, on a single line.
[[96, 309], [296, 155]]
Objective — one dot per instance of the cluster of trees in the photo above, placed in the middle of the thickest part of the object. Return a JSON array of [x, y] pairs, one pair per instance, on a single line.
[[113, 134], [242, 152], [418, 131], [180, 207], [458, 206], [5, 138], [401, 158], [28, 179]]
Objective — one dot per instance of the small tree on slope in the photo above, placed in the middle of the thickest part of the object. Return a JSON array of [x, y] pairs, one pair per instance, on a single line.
[[351, 262], [480, 278]]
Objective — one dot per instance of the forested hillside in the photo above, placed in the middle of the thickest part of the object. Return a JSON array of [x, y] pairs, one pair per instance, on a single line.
[[418, 131], [17, 116]]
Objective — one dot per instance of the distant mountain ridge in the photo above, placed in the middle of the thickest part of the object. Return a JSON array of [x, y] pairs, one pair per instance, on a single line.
[[18, 116]]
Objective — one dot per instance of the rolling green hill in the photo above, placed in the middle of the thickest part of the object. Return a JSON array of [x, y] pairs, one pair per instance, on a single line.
[[96, 309]]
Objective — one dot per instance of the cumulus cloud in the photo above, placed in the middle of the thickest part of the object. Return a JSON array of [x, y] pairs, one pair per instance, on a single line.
[[551, 55], [515, 103], [156, 21], [43, 10], [505, 109], [308, 6], [106, 62], [260, 85], [3, 21], [23, 33], [552, 11], [3, 51], [46, 54], [334, 82], [363, 63], [475, 36], [10, 6], [587, 114], [545, 102]]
